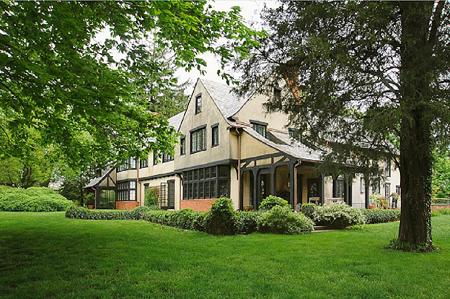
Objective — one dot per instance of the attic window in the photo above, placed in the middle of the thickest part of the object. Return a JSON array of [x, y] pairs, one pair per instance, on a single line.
[[198, 104]]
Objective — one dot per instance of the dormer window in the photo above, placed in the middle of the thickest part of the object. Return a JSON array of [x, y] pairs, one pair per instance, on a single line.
[[198, 104], [259, 127]]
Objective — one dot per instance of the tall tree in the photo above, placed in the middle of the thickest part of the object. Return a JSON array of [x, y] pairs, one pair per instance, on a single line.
[[362, 76], [68, 70]]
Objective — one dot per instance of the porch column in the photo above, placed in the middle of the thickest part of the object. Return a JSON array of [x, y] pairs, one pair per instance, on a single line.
[[291, 183], [241, 192], [255, 187], [345, 188], [97, 196], [322, 188], [295, 188], [366, 192], [272, 179]]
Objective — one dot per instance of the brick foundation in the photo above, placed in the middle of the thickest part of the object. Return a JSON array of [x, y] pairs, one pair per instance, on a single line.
[[126, 205], [438, 207], [200, 205]]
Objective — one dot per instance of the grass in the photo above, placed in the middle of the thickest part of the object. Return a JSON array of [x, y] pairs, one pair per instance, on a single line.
[[45, 255]]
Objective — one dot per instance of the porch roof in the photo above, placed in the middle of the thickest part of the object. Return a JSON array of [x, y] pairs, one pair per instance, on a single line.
[[288, 146], [96, 181]]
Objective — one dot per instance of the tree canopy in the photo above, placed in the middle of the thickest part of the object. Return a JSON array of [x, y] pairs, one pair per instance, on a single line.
[[366, 81], [72, 71]]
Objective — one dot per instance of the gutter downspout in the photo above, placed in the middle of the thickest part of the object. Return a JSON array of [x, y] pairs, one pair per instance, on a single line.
[[239, 165]]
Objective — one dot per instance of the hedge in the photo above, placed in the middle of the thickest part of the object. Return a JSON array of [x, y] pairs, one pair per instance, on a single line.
[[381, 215], [34, 199], [272, 201]]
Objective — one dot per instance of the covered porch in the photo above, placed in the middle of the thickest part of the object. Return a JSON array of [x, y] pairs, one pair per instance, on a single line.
[[276, 165]]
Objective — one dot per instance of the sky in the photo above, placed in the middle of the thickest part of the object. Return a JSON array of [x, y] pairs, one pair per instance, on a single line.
[[250, 11]]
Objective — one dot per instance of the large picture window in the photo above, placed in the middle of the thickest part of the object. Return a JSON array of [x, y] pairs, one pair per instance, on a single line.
[[126, 190], [209, 182], [198, 140]]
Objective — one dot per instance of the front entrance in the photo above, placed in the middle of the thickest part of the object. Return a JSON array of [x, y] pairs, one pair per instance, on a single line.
[[314, 190], [263, 186]]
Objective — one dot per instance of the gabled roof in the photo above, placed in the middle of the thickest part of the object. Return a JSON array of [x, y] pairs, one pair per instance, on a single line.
[[226, 100], [94, 182], [175, 121], [289, 146]]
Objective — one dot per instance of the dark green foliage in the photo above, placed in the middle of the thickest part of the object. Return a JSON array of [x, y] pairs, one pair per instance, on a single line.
[[381, 215], [308, 209], [338, 215], [247, 222], [34, 199], [89, 214], [282, 220], [271, 201], [220, 219]]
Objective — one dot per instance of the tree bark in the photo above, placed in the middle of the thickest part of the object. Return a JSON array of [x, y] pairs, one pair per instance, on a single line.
[[415, 136]]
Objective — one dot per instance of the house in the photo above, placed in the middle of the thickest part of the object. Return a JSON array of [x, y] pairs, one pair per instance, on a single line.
[[229, 146]]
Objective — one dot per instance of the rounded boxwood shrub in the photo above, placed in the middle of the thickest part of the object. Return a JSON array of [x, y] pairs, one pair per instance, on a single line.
[[34, 199], [282, 220], [338, 215], [309, 209], [272, 201], [220, 220], [247, 222], [139, 212]]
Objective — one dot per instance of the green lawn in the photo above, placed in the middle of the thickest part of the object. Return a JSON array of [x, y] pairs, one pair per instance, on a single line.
[[44, 255]]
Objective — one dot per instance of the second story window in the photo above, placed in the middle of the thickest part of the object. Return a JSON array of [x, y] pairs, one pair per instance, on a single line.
[[182, 145], [156, 158], [198, 104], [215, 135], [198, 140], [259, 127], [166, 158], [143, 163], [387, 168], [132, 163]]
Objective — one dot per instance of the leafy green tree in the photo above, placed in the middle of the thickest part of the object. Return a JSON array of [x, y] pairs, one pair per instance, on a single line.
[[360, 76], [59, 77], [441, 175]]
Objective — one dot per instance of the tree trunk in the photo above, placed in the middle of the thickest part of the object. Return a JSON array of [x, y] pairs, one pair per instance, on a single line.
[[415, 136]]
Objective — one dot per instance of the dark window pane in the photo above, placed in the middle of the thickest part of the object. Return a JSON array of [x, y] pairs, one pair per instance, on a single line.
[[224, 171]]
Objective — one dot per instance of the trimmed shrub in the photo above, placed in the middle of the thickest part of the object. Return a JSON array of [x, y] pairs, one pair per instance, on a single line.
[[34, 199], [247, 222], [84, 213], [220, 219], [338, 215], [282, 220], [381, 216], [272, 201], [185, 219], [309, 209]]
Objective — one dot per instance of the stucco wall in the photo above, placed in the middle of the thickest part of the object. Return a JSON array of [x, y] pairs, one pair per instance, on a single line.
[[210, 115], [254, 110]]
